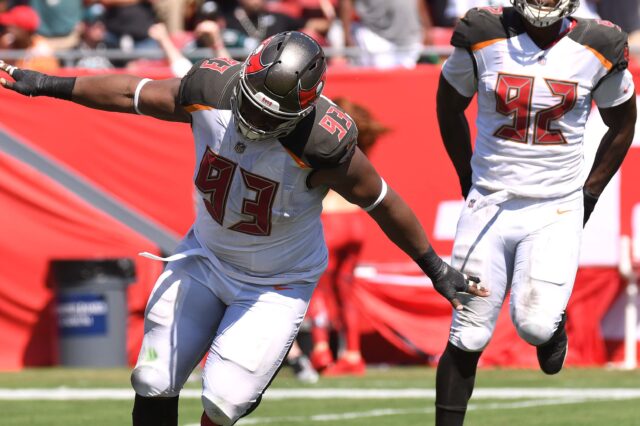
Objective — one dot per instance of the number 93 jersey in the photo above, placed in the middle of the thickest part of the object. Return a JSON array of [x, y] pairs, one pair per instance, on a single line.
[[255, 213], [533, 102]]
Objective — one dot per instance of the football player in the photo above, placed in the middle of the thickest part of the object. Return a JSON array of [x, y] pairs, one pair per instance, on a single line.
[[268, 149], [535, 70]]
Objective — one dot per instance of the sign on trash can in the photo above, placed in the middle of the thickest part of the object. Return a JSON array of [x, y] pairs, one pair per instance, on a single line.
[[82, 314], [91, 305]]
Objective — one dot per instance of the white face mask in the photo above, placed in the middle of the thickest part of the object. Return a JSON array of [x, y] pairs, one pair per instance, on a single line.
[[247, 133], [253, 131], [540, 15]]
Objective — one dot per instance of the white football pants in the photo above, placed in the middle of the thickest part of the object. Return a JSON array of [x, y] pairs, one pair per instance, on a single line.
[[247, 330], [530, 246]]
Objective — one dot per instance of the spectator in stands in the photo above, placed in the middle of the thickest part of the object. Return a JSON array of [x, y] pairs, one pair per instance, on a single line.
[[319, 16], [207, 10], [389, 33], [344, 235], [8, 4], [19, 33], [209, 34], [456, 9], [92, 39], [250, 23], [438, 13], [300, 364], [210, 10], [127, 23], [208, 31], [172, 13], [59, 21]]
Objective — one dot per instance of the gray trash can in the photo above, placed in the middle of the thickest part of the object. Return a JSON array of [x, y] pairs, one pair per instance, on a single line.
[[92, 310]]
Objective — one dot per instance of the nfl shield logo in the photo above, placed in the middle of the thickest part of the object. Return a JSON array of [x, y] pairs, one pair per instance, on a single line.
[[240, 147]]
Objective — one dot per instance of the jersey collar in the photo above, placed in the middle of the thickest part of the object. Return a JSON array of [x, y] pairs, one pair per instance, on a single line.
[[568, 24]]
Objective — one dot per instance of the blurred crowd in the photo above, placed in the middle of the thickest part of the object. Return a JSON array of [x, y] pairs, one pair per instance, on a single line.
[[47, 34]]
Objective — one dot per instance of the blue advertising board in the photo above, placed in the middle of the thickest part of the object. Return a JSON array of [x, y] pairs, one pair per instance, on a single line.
[[82, 314]]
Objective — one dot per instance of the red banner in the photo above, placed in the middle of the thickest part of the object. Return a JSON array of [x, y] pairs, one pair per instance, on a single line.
[[146, 165]]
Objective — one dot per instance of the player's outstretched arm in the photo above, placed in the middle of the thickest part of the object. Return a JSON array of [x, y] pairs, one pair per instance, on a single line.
[[116, 92], [454, 129], [621, 121], [358, 182]]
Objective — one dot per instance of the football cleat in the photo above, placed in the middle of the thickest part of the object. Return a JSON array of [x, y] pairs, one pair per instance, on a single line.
[[344, 367], [303, 370], [321, 358], [551, 355]]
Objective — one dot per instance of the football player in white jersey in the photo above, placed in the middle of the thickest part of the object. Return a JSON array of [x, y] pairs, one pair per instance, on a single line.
[[535, 70], [268, 149]]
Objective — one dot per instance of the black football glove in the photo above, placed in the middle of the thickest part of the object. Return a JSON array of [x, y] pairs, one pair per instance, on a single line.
[[34, 83], [447, 281], [450, 281], [590, 201]]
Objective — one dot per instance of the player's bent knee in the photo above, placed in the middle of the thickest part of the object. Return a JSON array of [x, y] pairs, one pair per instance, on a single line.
[[148, 381], [535, 332], [472, 339], [220, 411]]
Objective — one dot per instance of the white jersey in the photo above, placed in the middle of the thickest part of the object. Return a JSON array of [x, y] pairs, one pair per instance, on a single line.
[[533, 103], [255, 213]]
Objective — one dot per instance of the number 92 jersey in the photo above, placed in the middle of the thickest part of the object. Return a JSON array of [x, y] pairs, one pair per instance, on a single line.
[[533, 102], [255, 213]]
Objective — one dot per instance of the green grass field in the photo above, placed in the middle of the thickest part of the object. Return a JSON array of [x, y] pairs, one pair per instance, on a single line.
[[384, 397]]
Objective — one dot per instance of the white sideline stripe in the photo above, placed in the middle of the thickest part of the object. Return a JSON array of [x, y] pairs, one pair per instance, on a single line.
[[331, 417], [64, 394], [394, 412]]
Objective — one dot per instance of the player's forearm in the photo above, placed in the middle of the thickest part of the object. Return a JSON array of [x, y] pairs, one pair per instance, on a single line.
[[620, 120], [106, 92], [454, 129], [400, 225], [611, 152], [170, 50], [345, 12], [425, 16]]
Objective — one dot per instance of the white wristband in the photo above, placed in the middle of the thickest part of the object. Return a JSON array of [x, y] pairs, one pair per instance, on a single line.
[[136, 94], [383, 193]]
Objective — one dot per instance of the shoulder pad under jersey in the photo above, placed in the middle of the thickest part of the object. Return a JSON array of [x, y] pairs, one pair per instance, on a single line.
[[486, 24], [605, 39], [210, 82], [325, 138]]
